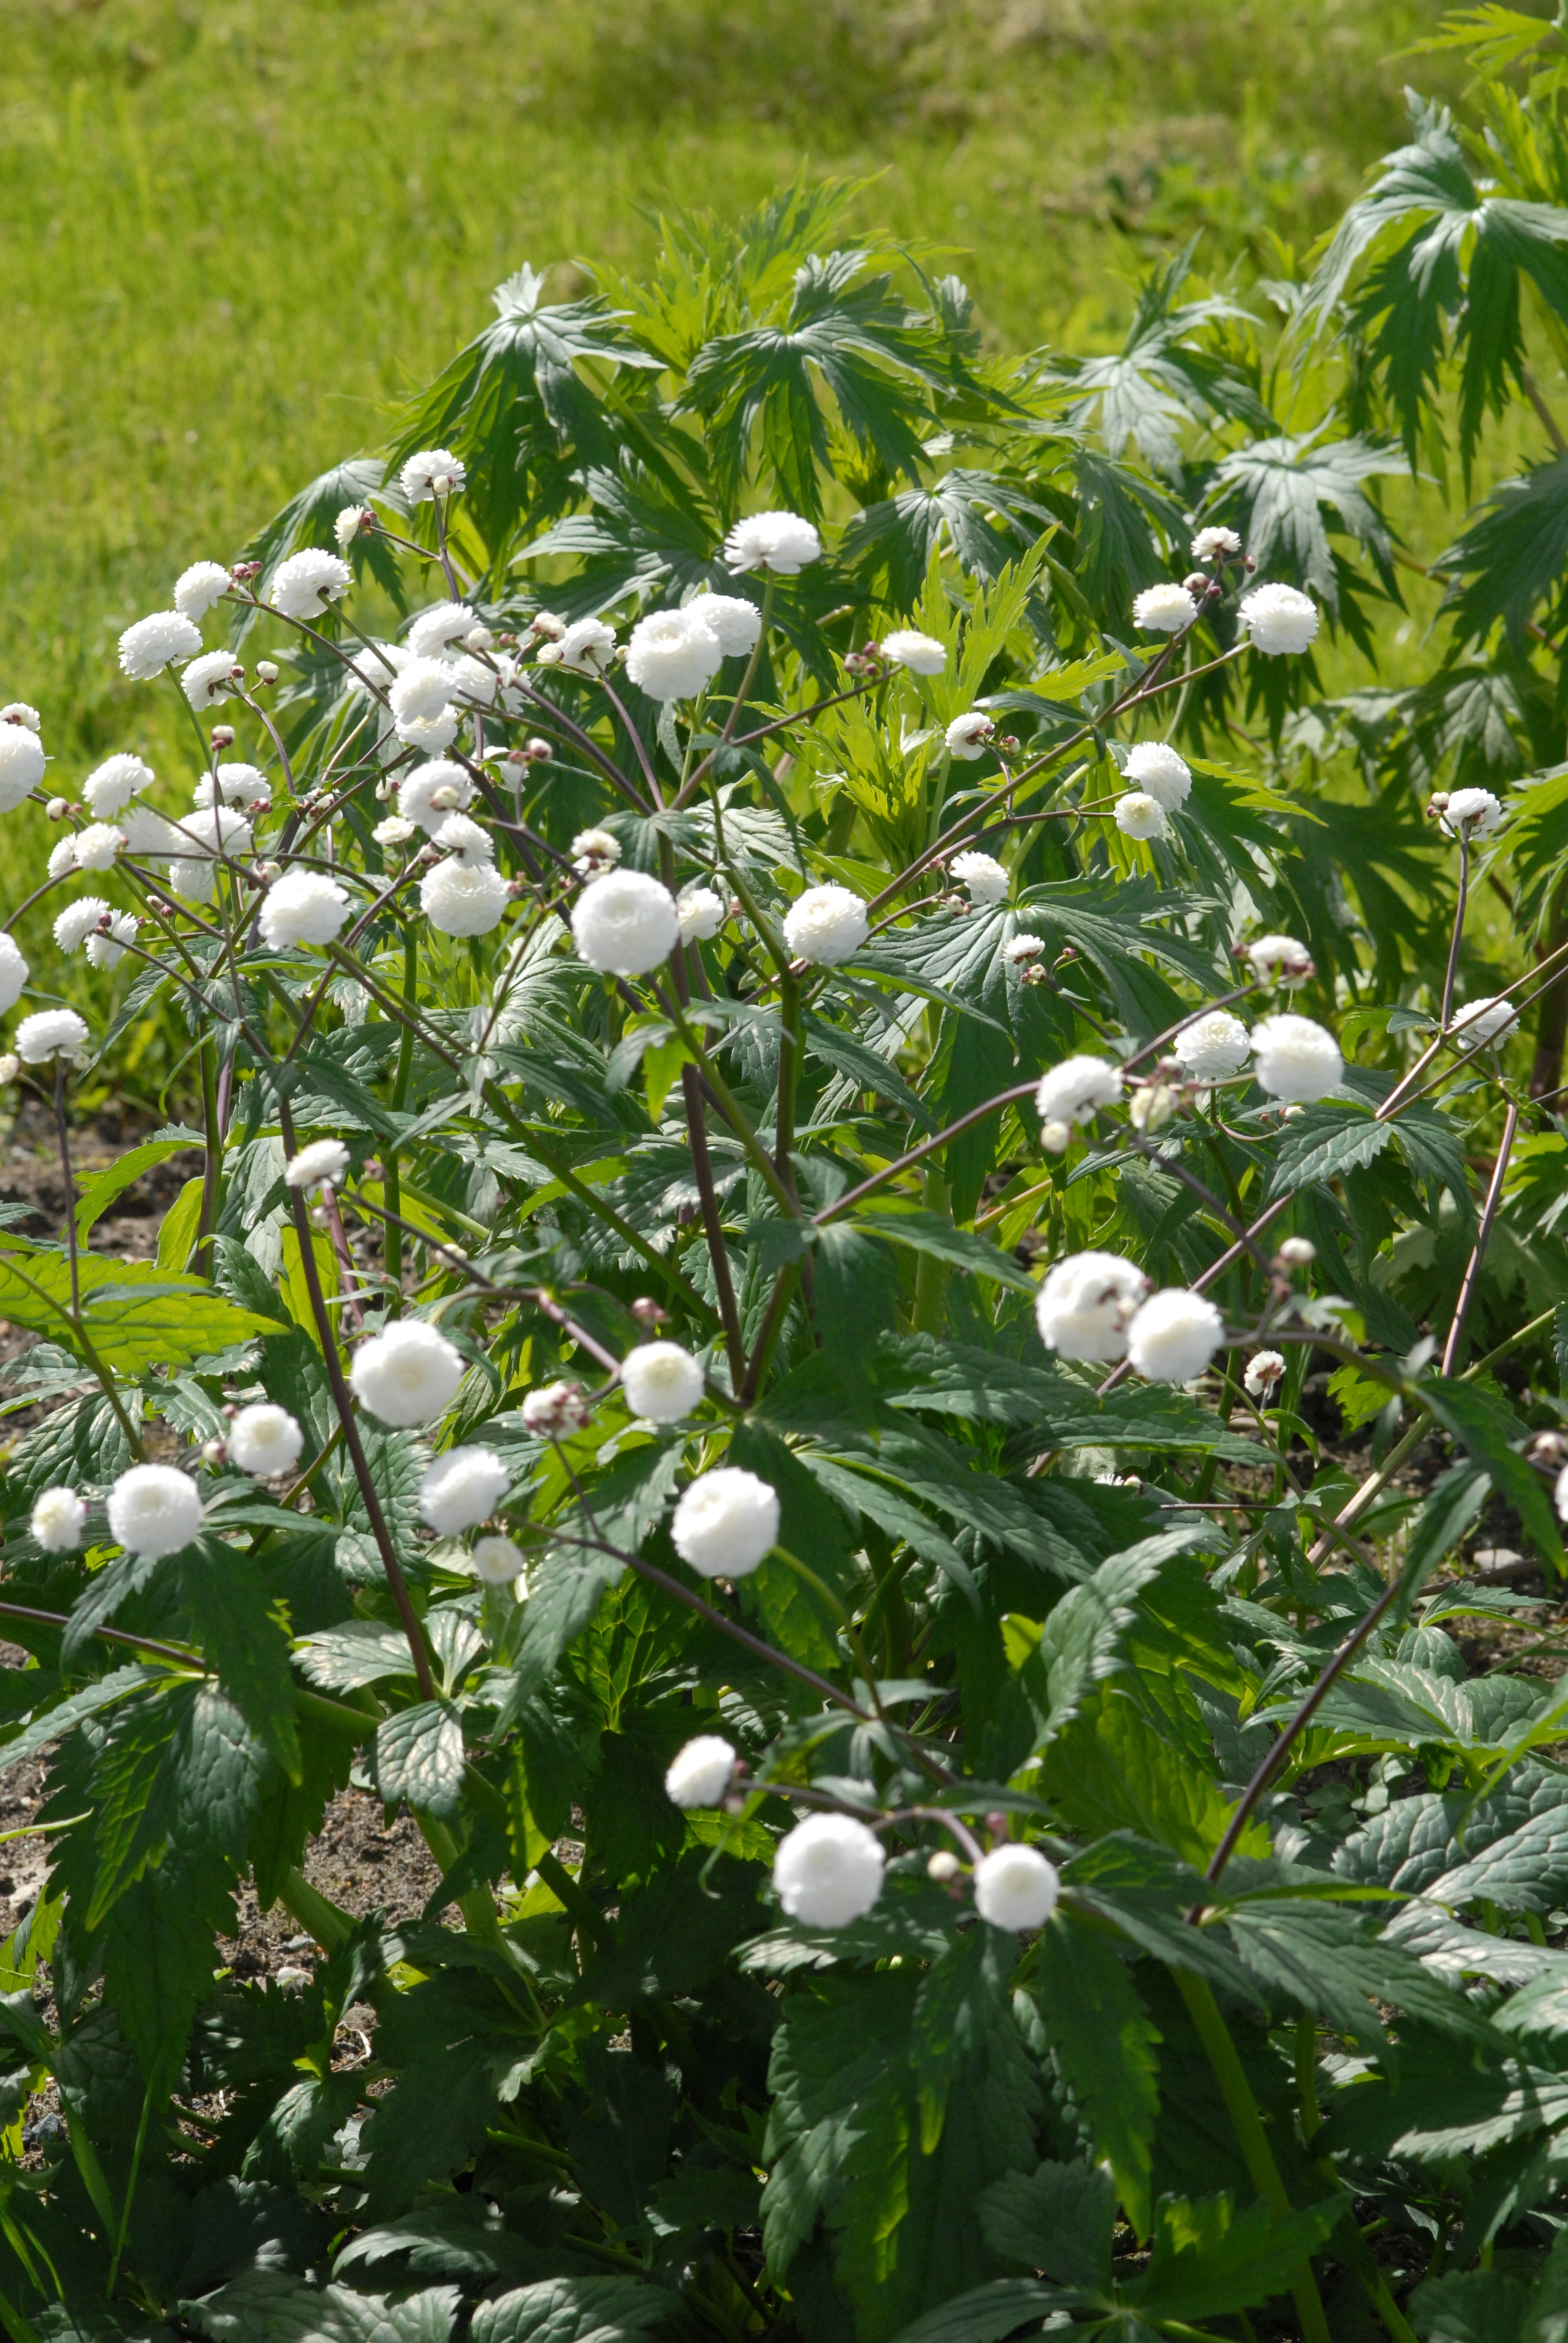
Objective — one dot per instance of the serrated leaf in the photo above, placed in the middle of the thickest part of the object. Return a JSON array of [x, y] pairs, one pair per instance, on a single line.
[[1104, 2045], [419, 1756]]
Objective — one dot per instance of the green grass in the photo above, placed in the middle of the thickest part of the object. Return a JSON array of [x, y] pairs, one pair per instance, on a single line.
[[236, 234]]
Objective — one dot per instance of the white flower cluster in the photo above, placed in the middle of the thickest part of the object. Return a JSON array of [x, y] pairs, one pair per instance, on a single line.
[[1096, 1307]]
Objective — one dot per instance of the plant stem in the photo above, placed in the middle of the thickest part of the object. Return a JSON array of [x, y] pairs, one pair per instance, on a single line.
[[63, 1132], [392, 1253], [201, 1257], [344, 1402], [852, 1196], [327, 1922], [712, 1226], [1489, 1214], [1253, 2140], [1459, 909]]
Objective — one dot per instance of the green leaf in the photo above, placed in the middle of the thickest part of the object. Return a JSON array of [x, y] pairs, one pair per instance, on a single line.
[[419, 1756], [1059, 2219], [136, 1316], [1477, 1415], [360, 1652], [243, 1638], [572, 2310], [1111, 1770], [180, 1224], [1079, 1641], [1104, 2045], [99, 1192], [990, 2312], [1324, 1143], [930, 1235], [1208, 2260]]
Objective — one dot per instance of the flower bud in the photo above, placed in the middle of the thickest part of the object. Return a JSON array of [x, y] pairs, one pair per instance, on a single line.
[[943, 1866], [649, 1312], [1056, 1137], [57, 808], [1199, 583], [1549, 1450], [1296, 1253], [266, 872], [266, 671], [10, 1067], [223, 736], [213, 1451], [548, 627], [446, 799], [477, 638], [242, 572], [538, 751]]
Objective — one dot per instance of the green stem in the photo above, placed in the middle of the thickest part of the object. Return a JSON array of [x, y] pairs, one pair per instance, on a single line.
[[566, 1891], [1252, 2139], [123, 2223], [325, 1921], [756, 1153], [931, 1274], [392, 1175]]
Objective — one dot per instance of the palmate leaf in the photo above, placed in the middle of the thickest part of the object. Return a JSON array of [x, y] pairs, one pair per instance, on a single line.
[[636, 539], [307, 520], [1507, 566], [1442, 265], [514, 405], [1146, 395], [881, 361], [981, 518], [1208, 2260], [1278, 489]]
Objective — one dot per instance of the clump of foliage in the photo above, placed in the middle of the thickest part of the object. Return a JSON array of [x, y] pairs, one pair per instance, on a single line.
[[958, 1816]]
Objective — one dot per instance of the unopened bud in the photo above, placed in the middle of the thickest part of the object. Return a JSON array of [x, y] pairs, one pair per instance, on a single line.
[[266, 671], [649, 1312], [242, 572], [10, 1067], [265, 872], [1548, 1449], [477, 638], [1297, 1251], [942, 1866], [223, 736], [538, 751], [57, 808], [213, 1451], [998, 1825], [1055, 1138], [548, 627], [445, 799], [1198, 583]]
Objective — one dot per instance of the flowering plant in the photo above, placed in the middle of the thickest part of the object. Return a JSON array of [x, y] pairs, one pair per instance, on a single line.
[[777, 1161]]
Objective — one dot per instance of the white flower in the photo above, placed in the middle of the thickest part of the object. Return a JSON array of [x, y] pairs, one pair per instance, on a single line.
[[673, 654], [320, 1165], [237, 784], [1214, 1047], [436, 630], [406, 1374], [701, 913], [555, 1411], [1211, 541], [110, 787], [14, 973], [97, 846], [965, 736], [726, 1524], [351, 520], [826, 925], [440, 780], [108, 946], [149, 835], [921, 654], [434, 472], [469, 840], [207, 832], [302, 908], [304, 585], [264, 1440], [463, 899], [625, 923], [1174, 1336], [593, 849], [77, 922], [1482, 1023], [736, 622], [154, 1510], [210, 678], [475, 679], [1297, 1251], [1159, 773], [661, 1382], [1281, 957], [1138, 815], [1020, 950], [22, 762], [498, 1562], [828, 1871], [146, 649], [1073, 1091], [462, 1489], [1164, 610], [983, 875], [779, 541], [48, 1033], [199, 587], [59, 1517], [393, 832], [1015, 1887], [1294, 1058], [1084, 1305], [62, 857], [17, 712], [422, 704], [1472, 814], [587, 647], [1279, 619], [1561, 1494], [10, 1067], [700, 1772], [1264, 1369]]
